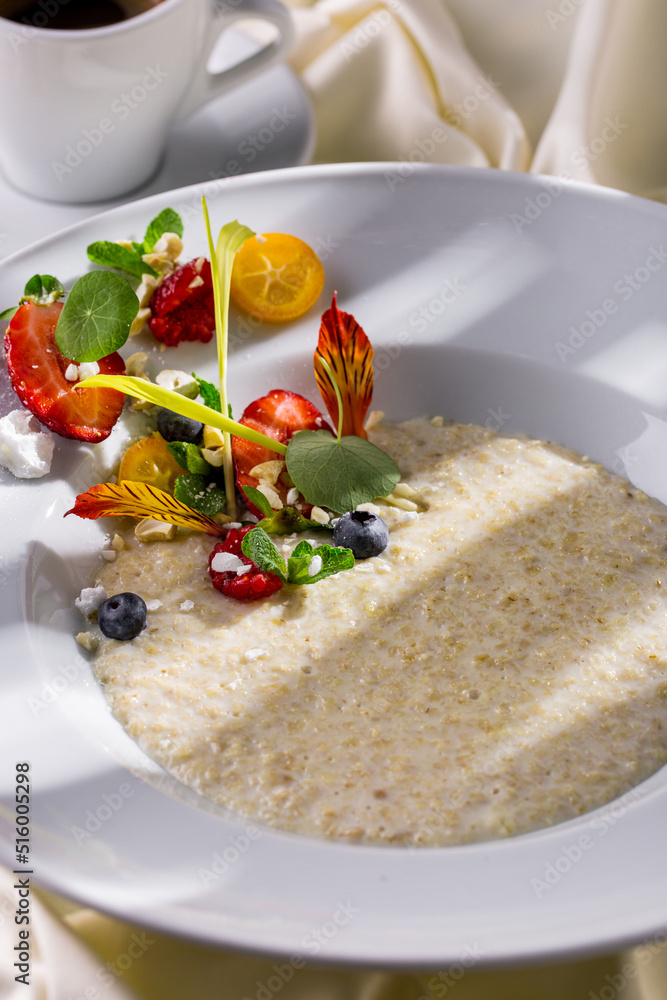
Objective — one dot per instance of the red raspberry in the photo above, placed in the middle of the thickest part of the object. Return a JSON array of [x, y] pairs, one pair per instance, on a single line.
[[248, 586], [181, 311]]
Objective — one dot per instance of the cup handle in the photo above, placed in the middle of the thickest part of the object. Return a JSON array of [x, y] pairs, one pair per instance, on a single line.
[[207, 85]]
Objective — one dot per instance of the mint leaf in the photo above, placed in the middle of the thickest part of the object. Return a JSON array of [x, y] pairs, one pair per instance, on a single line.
[[309, 565], [113, 255], [168, 221], [96, 317], [258, 500], [33, 287], [257, 545], [339, 475], [289, 521], [199, 493], [189, 457], [209, 393]]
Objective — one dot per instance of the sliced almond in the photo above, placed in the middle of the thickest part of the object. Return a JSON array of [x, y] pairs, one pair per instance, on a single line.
[[214, 456], [149, 530], [268, 471], [213, 437]]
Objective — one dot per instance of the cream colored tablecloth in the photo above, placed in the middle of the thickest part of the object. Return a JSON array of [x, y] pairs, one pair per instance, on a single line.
[[577, 89]]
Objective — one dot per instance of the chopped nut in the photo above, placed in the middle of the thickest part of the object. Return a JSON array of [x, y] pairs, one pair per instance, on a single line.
[[140, 321], [404, 490], [196, 282], [149, 530], [399, 502], [125, 244], [169, 244], [145, 288], [221, 518], [268, 471], [213, 437], [178, 381], [118, 543], [270, 494], [109, 555], [214, 456], [135, 364], [319, 515], [88, 641], [373, 419], [438, 421]]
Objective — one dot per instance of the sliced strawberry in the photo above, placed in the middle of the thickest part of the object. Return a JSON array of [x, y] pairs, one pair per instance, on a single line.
[[37, 372], [182, 305], [279, 415]]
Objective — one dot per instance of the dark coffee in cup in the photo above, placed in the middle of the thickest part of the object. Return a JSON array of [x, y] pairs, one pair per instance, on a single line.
[[73, 14]]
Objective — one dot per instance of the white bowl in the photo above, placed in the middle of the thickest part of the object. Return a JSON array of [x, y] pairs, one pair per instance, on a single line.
[[504, 299]]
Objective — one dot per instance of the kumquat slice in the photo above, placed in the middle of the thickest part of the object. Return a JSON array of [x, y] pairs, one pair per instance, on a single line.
[[276, 277], [150, 461]]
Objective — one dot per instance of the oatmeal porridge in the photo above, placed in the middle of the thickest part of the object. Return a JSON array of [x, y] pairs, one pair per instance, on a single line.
[[501, 667]]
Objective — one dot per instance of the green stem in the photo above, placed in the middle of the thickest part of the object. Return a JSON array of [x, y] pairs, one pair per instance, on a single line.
[[143, 389], [221, 328], [339, 398]]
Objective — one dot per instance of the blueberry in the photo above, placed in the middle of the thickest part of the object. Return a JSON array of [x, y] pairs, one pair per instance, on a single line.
[[365, 533], [122, 616], [174, 427]]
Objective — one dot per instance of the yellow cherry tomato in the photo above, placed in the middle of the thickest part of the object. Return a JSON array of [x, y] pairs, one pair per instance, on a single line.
[[276, 277], [150, 461]]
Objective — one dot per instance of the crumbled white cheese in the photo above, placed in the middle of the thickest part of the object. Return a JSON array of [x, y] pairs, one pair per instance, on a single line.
[[153, 604], [90, 599], [292, 496], [77, 373], [25, 449], [315, 565], [234, 525], [187, 605], [255, 654], [109, 554], [226, 562]]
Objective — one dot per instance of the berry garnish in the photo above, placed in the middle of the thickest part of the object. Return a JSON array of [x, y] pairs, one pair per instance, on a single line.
[[365, 533], [174, 427], [279, 415], [249, 585], [150, 461], [276, 277], [122, 616], [182, 306], [37, 369]]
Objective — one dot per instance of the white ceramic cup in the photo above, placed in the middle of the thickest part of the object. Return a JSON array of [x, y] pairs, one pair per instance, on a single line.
[[85, 113]]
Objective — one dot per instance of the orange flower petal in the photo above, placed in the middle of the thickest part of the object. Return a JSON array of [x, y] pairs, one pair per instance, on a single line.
[[128, 499], [348, 352]]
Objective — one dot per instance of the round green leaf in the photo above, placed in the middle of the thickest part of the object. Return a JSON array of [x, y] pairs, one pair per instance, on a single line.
[[339, 475], [96, 317]]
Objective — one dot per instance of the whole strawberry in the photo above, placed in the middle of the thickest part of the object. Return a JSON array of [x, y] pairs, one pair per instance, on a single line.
[[182, 305], [227, 559]]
